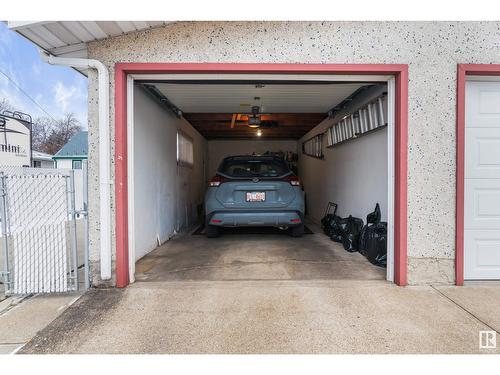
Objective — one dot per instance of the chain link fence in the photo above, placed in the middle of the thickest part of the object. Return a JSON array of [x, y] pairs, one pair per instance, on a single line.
[[39, 230]]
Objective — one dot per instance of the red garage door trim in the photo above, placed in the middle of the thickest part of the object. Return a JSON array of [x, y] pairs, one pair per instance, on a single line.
[[400, 72], [462, 72]]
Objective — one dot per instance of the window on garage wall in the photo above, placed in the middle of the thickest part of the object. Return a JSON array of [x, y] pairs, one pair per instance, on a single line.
[[185, 151], [314, 146]]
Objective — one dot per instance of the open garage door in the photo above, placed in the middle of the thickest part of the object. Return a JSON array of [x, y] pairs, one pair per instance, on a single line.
[[184, 127]]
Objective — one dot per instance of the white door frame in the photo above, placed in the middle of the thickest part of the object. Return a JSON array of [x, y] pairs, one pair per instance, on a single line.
[[130, 178], [330, 78]]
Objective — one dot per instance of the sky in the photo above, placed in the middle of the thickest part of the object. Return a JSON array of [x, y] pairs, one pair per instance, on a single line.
[[57, 89]]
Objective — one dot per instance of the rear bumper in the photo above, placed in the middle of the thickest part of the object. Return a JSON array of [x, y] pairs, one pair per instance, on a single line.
[[256, 219]]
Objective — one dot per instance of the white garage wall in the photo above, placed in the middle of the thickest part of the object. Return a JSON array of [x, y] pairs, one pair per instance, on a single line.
[[354, 174], [219, 149], [192, 181], [160, 210]]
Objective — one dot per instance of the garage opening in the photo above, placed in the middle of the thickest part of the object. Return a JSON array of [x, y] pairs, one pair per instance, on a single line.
[[334, 134]]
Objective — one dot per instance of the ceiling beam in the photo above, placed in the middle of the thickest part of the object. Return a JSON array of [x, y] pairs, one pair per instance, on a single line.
[[275, 116]]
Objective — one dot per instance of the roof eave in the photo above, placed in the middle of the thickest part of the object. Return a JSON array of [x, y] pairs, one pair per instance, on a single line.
[[70, 157]]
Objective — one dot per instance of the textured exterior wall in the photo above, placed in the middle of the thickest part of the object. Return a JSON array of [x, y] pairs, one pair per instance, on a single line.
[[432, 51]]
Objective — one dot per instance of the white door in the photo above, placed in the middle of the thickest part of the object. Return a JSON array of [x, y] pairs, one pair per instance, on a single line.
[[482, 181]]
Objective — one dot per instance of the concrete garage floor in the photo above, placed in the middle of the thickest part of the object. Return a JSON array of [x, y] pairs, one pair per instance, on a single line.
[[255, 257], [267, 294]]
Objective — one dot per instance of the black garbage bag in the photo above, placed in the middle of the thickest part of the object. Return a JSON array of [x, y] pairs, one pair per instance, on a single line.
[[326, 223], [375, 216], [349, 241], [381, 261], [373, 243], [362, 239], [338, 228], [346, 231], [329, 217], [352, 230]]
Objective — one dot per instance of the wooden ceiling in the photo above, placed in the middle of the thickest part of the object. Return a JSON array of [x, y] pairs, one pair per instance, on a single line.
[[290, 108], [289, 125]]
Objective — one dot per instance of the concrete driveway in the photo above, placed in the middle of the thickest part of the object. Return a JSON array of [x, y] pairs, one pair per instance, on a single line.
[[270, 294], [274, 317]]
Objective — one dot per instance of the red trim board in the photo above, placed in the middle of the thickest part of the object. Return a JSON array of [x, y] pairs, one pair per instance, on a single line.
[[400, 72]]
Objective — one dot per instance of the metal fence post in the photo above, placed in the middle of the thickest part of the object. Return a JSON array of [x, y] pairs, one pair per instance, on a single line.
[[86, 223], [74, 271], [5, 239]]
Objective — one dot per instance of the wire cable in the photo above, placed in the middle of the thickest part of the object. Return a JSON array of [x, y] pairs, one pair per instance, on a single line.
[[27, 95]]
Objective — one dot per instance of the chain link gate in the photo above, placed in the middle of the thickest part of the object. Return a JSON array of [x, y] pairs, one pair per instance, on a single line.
[[39, 230]]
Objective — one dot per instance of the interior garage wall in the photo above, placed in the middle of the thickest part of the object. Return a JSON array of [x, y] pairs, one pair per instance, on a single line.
[[165, 195], [219, 149], [353, 175]]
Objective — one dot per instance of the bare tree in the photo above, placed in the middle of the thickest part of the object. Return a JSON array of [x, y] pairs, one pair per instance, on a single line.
[[5, 105], [67, 126], [50, 135], [40, 131]]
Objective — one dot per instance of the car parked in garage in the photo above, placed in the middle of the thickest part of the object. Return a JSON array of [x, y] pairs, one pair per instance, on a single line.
[[254, 191]]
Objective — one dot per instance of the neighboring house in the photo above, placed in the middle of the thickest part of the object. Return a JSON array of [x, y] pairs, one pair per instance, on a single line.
[[42, 160], [191, 81], [72, 154], [15, 139]]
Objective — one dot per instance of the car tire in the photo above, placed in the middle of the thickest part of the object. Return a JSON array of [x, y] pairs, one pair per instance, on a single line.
[[211, 231], [297, 231]]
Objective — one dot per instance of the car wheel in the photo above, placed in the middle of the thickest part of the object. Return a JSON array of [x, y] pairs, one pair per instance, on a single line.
[[297, 231], [211, 231]]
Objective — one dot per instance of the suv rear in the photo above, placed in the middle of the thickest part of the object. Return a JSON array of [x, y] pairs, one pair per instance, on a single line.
[[254, 191]]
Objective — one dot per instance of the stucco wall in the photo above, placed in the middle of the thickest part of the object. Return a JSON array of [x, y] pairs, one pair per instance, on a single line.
[[432, 51]]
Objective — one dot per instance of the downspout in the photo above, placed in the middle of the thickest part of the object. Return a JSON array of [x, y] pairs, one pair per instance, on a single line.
[[104, 152]]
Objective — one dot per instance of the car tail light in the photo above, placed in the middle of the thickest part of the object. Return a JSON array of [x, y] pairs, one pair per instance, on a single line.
[[217, 180], [292, 179]]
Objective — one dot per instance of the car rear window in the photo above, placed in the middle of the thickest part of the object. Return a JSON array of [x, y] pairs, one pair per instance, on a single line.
[[253, 168]]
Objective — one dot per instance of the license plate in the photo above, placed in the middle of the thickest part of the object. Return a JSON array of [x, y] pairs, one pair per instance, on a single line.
[[256, 196]]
